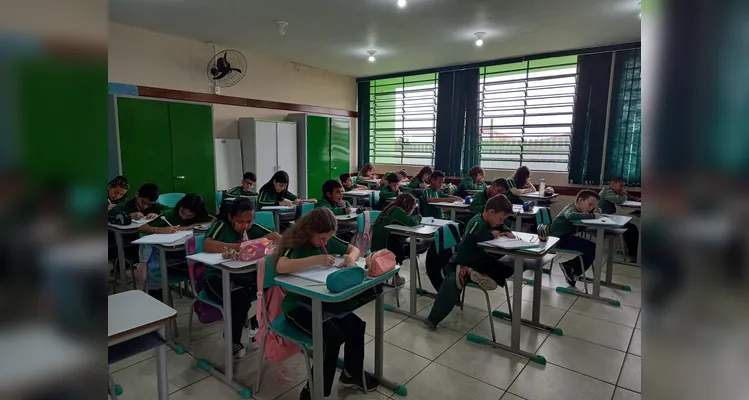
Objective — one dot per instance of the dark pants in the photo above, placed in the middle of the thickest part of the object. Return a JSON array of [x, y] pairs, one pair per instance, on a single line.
[[347, 330], [241, 299], [449, 291], [584, 246], [630, 239]]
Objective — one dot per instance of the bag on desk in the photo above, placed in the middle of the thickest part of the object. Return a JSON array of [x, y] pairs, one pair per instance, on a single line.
[[120, 218], [380, 262], [250, 250], [344, 278]]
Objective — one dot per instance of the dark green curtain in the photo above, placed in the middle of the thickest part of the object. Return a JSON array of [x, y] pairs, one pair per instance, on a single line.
[[623, 148], [589, 121], [456, 139], [363, 123]]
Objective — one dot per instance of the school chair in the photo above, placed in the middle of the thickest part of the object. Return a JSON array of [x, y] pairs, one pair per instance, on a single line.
[[170, 199], [305, 208], [219, 199], [265, 219], [374, 200]]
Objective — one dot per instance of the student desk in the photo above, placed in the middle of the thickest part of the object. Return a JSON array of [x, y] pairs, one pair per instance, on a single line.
[[119, 231], [602, 230], [637, 206], [519, 256], [452, 206], [356, 195], [133, 315], [319, 294], [277, 210], [227, 268], [414, 233], [472, 192], [347, 217], [369, 182], [521, 214], [436, 222], [539, 197]]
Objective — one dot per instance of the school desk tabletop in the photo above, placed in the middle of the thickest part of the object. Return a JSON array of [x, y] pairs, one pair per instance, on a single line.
[[369, 182], [521, 214], [452, 206], [277, 210], [347, 217], [611, 226], [133, 314], [539, 252], [319, 294], [356, 195], [542, 199], [119, 231]]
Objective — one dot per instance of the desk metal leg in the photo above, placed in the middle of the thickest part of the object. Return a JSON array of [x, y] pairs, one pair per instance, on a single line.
[[452, 215], [518, 223], [414, 271], [161, 373], [380, 349], [597, 266], [535, 322], [277, 219], [317, 351], [121, 259], [166, 296], [610, 268]]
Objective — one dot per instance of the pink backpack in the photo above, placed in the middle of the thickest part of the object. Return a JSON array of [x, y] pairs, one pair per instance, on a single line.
[[380, 262], [276, 348], [363, 240]]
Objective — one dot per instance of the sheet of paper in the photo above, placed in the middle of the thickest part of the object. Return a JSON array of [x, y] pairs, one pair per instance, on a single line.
[[436, 222], [510, 244], [599, 221], [320, 273], [161, 238], [207, 258]]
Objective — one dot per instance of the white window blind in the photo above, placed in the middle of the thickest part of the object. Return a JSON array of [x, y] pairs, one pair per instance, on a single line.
[[403, 119], [525, 111]]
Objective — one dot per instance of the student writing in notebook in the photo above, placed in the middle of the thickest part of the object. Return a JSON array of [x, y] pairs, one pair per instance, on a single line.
[[396, 213], [275, 192], [563, 227], [144, 204], [434, 194], [188, 212], [235, 219], [479, 199], [367, 172], [390, 190], [246, 188], [419, 181], [116, 191], [474, 181], [310, 243], [473, 263], [519, 183]]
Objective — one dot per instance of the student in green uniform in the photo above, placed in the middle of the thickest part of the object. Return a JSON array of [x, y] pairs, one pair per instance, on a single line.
[[144, 204], [434, 194], [276, 193], [390, 191], [367, 172], [613, 195], [384, 179], [419, 181], [519, 183], [473, 263], [399, 212], [332, 193], [474, 181], [246, 188], [348, 183], [188, 212], [309, 243], [116, 191], [402, 175], [478, 201], [563, 227], [236, 219]]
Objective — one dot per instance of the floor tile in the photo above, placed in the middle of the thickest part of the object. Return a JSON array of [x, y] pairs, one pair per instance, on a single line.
[[182, 305], [510, 396], [414, 336], [207, 389], [623, 315], [475, 298], [634, 283], [530, 338], [550, 297], [596, 330], [549, 315], [632, 299], [139, 381], [122, 364], [459, 320], [273, 382], [398, 365], [211, 348], [551, 382], [631, 375], [583, 357], [422, 302], [639, 321], [199, 329], [635, 347], [485, 363], [338, 392], [367, 314], [627, 270], [549, 281], [624, 394], [439, 382]]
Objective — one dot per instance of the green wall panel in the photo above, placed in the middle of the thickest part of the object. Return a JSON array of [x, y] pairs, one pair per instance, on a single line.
[[340, 138], [318, 154]]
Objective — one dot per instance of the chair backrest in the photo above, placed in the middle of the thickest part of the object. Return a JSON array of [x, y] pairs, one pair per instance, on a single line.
[[219, 198], [265, 219], [543, 216], [170, 199], [306, 207], [360, 225]]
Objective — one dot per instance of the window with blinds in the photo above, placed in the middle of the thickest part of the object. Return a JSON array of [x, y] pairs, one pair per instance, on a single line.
[[403, 119], [525, 112]]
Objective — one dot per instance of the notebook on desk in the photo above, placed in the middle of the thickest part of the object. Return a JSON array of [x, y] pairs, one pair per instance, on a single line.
[[599, 221], [163, 238], [320, 273], [511, 243]]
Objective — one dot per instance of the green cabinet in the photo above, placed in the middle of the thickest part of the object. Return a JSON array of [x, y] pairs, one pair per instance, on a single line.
[[323, 147], [169, 144]]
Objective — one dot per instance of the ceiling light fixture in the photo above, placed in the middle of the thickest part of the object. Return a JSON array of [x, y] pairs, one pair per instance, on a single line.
[[402, 3], [281, 27], [479, 40], [371, 55]]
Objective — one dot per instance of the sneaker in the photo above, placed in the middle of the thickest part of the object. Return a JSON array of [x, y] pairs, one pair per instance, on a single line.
[[398, 280], [569, 274], [483, 281], [462, 274], [305, 394], [239, 350], [349, 381], [431, 325]]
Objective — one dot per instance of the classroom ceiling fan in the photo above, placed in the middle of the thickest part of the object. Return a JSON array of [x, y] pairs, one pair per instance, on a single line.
[[226, 68]]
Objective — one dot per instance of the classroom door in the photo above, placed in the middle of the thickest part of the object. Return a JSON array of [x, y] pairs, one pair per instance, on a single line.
[[339, 146], [145, 143], [192, 166], [318, 154]]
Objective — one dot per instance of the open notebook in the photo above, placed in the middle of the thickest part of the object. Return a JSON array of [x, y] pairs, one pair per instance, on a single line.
[[511, 244], [320, 273]]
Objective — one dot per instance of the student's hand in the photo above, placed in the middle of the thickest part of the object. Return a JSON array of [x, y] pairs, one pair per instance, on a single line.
[[423, 185], [456, 198], [170, 229], [496, 234], [285, 203], [596, 214], [136, 215], [152, 216], [324, 259], [346, 211], [508, 234], [110, 206], [347, 262]]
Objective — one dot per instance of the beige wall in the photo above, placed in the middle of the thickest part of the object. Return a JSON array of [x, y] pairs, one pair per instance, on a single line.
[[141, 57]]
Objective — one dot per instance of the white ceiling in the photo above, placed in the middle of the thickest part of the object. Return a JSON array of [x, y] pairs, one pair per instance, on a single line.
[[335, 34]]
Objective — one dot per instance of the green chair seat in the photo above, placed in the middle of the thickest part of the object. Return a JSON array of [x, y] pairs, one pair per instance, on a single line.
[[287, 330]]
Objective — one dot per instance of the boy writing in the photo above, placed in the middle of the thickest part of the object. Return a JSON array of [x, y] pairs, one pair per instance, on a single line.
[[434, 194], [245, 189], [563, 227], [479, 200]]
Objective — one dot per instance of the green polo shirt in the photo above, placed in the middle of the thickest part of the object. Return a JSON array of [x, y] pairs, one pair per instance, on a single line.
[[172, 216], [222, 231], [386, 193], [467, 184], [130, 207], [415, 182], [610, 199], [430, 210], [334, 246], [509, 184], [564, 223], [266, 198], [394, 216], [468, 252], [478, 202], [239, 192], [337, 209], [353, 187]]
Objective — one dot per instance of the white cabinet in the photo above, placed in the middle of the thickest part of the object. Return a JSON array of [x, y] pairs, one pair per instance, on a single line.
[[268, 147]]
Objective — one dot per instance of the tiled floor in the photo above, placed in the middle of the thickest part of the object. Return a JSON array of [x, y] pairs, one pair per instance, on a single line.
[[599, 356]]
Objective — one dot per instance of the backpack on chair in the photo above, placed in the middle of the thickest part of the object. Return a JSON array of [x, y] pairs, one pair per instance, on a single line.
[[205, 312], [275, 348], [362, 240]]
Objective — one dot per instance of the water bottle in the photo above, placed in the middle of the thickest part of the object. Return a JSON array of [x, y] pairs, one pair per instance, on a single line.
[[542, 187]]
